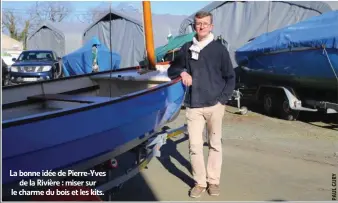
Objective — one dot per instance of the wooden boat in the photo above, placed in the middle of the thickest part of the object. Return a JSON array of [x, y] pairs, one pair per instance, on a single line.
[[84, 120]]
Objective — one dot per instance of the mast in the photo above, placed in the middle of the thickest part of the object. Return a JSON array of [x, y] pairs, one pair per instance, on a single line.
[[110, 50], [148, 25]]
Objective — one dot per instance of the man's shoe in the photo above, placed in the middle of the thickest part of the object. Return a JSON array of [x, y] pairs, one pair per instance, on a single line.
[[197, 191], [214, 190]]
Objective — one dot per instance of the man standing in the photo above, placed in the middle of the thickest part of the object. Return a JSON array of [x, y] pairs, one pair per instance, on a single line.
[[206, 69]]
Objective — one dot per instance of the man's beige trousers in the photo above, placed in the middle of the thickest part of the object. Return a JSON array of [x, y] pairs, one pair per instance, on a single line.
[[196, 118]]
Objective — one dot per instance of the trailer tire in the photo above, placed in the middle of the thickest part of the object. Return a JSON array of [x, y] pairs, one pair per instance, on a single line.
[[268, 104], [285, 112]]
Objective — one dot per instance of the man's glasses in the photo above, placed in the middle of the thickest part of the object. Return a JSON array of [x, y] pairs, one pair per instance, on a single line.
[[202, 24]]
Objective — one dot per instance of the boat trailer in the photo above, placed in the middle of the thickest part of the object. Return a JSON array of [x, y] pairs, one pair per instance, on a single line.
[[144, 154], [280, 98], [117, 171]]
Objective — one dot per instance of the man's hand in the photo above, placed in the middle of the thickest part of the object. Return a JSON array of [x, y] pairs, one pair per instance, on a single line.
[[186, 78]]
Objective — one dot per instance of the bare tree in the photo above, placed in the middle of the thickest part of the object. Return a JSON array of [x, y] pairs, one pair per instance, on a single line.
[[24, 33], [10, 22], [95, 13], [13, 23], [20, 26], [51, 10]]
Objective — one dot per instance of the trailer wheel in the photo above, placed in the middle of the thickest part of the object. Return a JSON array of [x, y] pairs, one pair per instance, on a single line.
[[285, 111], [268, 104]]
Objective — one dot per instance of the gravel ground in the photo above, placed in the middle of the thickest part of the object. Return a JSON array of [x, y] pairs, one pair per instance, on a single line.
[[263, 159]]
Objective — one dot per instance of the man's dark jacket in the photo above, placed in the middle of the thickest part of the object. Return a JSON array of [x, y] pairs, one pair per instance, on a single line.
[[213, 77]]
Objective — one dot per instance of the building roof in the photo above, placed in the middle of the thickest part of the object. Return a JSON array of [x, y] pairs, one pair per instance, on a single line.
[[8, 43], [62, 28]]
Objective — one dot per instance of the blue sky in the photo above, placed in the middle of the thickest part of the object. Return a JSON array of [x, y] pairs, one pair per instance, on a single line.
[[159, 7]]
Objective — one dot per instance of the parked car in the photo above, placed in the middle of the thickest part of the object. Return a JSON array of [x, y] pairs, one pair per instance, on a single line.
[[5, 73], [35, 65]]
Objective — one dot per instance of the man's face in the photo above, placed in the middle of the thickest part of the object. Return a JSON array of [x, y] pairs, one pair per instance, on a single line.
[[203, 26]]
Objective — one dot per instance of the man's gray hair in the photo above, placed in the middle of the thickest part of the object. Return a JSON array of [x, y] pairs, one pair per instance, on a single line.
[[202, 14]]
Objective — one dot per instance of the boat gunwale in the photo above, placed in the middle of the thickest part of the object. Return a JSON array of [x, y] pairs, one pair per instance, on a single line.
[[83, 75], [63, 112], [71, 77], [28, 102]]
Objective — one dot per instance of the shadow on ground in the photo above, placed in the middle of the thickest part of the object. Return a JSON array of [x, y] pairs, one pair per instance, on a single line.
[[331, 120], [135, 189], [168, 152]]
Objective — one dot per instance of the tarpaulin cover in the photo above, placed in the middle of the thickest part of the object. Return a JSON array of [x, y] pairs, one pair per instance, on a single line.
[[315, 32], [239, 21], [61, 37], [80, 61], [122, 34], [173, 43]]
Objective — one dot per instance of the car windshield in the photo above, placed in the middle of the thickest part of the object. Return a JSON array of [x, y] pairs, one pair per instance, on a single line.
[[36, 55]]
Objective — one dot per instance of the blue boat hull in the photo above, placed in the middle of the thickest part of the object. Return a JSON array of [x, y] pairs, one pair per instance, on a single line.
[[303, 56], [58, 141], [302, 69]]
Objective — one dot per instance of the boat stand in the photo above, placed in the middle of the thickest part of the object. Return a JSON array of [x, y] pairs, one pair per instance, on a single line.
[[237, 95]]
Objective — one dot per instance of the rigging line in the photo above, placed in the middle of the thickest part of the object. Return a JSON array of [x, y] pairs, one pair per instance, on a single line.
[[110, 54], [269, 10], [328, 58], [334, 72]]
